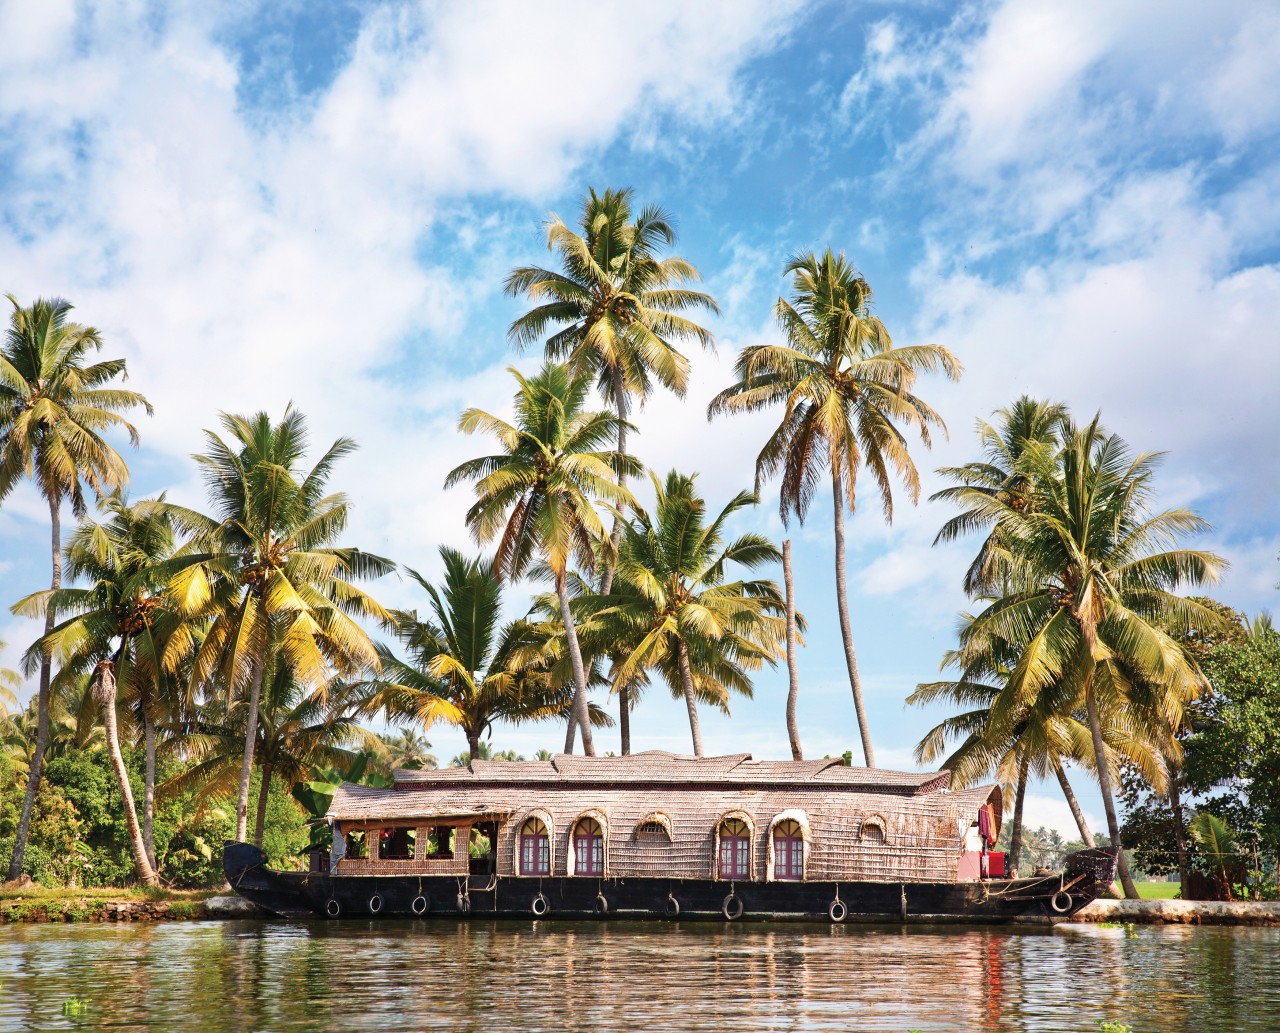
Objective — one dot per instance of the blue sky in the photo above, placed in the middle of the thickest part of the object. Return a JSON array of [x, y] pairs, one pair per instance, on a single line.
[[316, 203]]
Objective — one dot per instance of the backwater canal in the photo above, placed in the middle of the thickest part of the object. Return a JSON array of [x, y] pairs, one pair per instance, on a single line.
[[623, 976]]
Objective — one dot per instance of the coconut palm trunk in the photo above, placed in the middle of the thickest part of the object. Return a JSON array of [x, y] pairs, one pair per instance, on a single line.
[[1179, 828], [581, 716], [793, 674], [611, 561], [1104, 784], [1015, 835], [264, 792], [624, 719], [1074, 804], [690, 700], [104, 690], [846, 631], [250, 739], [149, 786], [42, 708]]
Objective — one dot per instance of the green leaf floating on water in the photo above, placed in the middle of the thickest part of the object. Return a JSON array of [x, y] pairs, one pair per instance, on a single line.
[[74, 1006]]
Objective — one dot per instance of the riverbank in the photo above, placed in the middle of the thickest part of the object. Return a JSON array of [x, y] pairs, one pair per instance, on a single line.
[[122, 906], [1182, 912]]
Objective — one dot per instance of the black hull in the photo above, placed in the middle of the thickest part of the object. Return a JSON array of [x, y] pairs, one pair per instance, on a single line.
[[310, 895]]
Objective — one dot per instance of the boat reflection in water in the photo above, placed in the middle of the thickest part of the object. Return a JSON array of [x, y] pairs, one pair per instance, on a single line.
[[393, 976]]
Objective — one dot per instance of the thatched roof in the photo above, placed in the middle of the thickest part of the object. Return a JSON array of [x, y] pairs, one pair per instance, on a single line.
[[656, 767]]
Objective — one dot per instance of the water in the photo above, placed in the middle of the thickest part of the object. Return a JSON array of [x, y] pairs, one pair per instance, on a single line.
[[389, 976]]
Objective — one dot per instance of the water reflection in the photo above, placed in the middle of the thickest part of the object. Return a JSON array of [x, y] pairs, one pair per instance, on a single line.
[[215, 977]]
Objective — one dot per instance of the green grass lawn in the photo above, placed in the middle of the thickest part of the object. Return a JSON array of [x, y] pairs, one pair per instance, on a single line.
[[43, 894], [1158, 890]]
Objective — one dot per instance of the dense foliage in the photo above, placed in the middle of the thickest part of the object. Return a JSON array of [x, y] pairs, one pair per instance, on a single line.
[[1231, 763]]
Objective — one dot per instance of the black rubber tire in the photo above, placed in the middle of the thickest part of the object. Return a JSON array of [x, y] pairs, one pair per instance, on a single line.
[[732, 908], [375, 903], [601, 905], [672, 907], [540, 906], [837, 911], [464, 903], [332, 908], [1057, 902], [421, 904]]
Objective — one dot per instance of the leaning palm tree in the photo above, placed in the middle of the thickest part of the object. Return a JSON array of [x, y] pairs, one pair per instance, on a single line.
[[121, 615], [104, 692], [998, 736], [614, 311], [268, 574], [845, 389], [54, 407], [538, 494], [466, 666], [674, 612], [1091, 593]]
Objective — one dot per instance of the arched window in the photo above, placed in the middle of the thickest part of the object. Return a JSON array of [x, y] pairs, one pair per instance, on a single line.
[[788, 851], [654, 829], [588, 848], [535, 848], [872, 831], [735, 849]]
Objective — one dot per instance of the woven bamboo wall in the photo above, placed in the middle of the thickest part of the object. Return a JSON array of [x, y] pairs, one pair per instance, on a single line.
[[922, 838], [921, 819]]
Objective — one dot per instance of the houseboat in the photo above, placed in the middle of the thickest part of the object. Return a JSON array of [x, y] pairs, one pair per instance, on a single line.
[[658, 835]]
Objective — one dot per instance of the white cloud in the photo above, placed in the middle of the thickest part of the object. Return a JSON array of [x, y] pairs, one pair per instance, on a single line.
[[1052, 812], [241, 266], [899, 569], [1077, 258]]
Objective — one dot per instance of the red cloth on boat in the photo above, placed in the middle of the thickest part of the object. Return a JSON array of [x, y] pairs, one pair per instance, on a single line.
[[986, 823]]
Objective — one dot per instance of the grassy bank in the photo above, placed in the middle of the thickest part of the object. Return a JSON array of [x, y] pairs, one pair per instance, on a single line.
[[40, 904]]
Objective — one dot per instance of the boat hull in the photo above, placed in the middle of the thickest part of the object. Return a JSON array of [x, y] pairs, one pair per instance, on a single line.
[[325, 895]]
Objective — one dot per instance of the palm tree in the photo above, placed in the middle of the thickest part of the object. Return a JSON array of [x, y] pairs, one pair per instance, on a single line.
[[54, 406], [539, 493], [104, 692], [614, 311], [674, 612], [298, 728], [406, 750], [268, 574], [466, 667], [122, 616], [999, 735], [845, 389], [1026, 436], [1090, 592]]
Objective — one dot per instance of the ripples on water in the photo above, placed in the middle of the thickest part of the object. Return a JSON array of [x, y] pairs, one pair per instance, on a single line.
[[481, 976]]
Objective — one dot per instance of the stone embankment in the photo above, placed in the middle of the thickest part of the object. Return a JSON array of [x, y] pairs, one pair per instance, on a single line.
[[1182, 912], [91, 909]]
